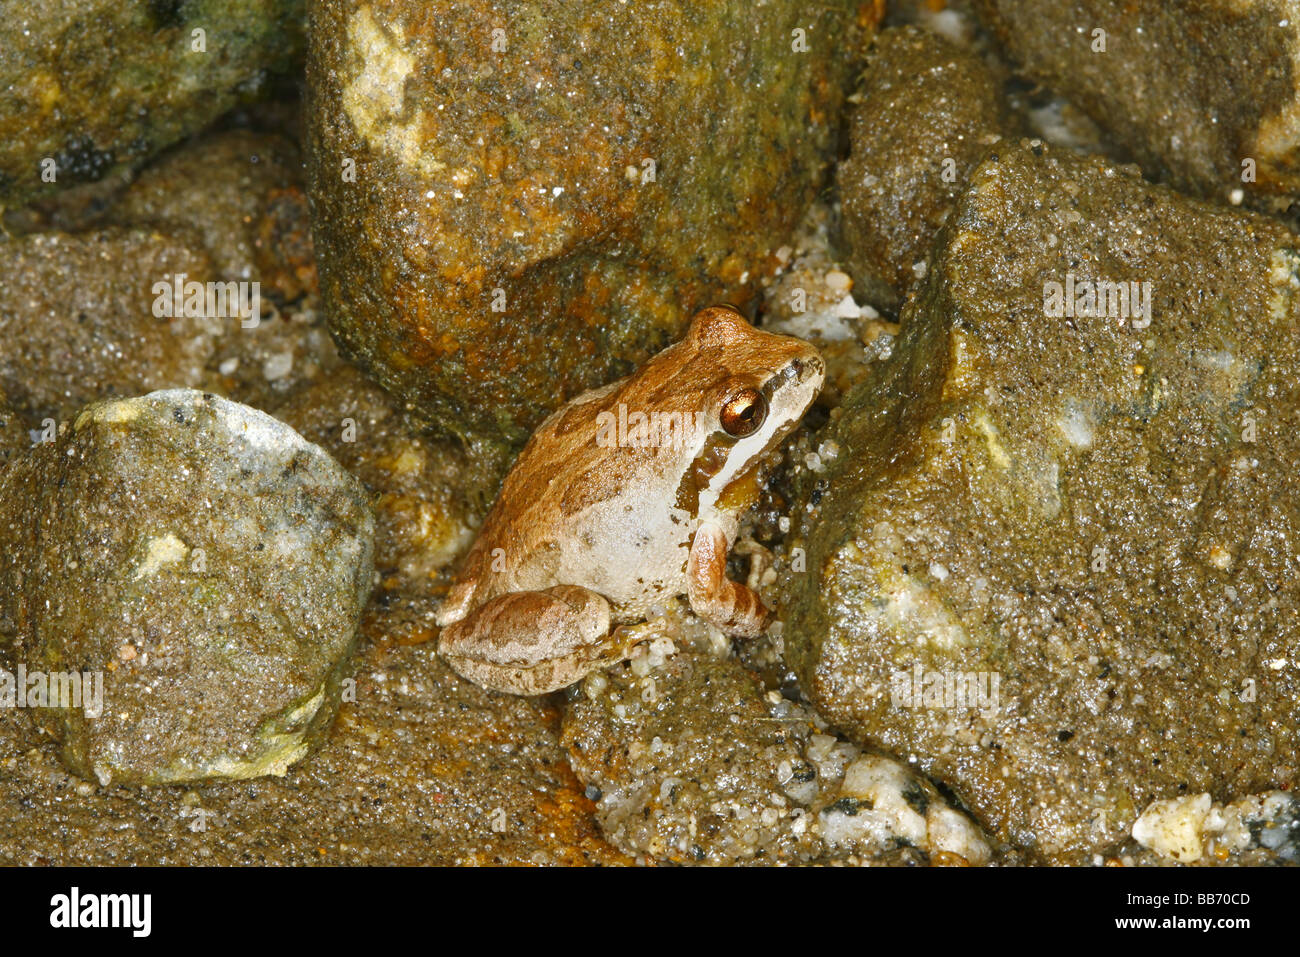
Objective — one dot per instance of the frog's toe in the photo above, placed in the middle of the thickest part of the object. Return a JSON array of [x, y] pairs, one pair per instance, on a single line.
[[735, 609]]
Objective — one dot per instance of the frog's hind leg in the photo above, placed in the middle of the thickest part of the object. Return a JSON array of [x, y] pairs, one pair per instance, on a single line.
[[532, 642], [735, 609]]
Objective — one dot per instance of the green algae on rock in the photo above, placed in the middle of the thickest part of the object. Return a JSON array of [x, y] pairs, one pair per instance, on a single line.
[[514, 202], [1055, 559], [207, 563], [96, 84], [1201, 93], [928, 111]]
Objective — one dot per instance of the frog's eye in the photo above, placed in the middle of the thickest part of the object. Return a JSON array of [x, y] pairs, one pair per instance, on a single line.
[[744, 412]]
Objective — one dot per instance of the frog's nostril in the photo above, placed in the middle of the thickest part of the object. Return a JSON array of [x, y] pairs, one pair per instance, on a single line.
[[796, 368]]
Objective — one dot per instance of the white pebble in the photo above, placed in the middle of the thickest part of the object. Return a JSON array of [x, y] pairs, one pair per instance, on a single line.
[[278, 366], [838, 281]]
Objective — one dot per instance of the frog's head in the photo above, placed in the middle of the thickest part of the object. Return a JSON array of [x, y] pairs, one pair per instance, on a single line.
[[748, 389]]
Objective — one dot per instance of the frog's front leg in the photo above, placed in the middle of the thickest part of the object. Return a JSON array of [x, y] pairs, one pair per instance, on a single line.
[[735, 609], [532, 642]]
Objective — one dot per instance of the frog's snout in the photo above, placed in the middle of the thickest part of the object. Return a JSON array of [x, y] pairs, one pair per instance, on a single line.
[[802, 370]]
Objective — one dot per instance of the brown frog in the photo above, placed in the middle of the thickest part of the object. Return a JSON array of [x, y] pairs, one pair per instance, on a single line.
[[627, 497]]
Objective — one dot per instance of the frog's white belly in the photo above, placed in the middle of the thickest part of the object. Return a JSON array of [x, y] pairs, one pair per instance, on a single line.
[[635, 561]]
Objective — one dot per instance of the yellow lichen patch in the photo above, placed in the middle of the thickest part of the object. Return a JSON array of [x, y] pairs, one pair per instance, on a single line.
[[1028, 477], [408, 460], [45, 90], [914, 608], [374, 97], [963, 374], [283, 744], [1276, 139], [1284, 277], [992, 439], [163, 550], [108, 413]]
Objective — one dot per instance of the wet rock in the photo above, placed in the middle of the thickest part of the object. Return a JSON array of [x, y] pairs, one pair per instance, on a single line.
[[1191, 91], [691, 760], [14, 437], [76, 209], [242, 193], [207, 563], [687, 763], [509, 209], [929, 110], [233, 201], [1054, 558], [883, 805], [54, 59], [420, 768], [1259, 829], [424, 511], [77, 319]]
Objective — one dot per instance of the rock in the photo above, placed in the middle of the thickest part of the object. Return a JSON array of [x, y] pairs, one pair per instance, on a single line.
[[1192, 91], [686, 766], [233, 202], [13, 432], [74, 209], [929, 110], [691, 760], [287, 352], [883, 805], [812, 297], [54, 58], [80, 322], [242, 193], [1259, 829], [77, 319], [1173, 827], [207, 563], [510, 208], [1054, 556], [420, 768], [425, 509]]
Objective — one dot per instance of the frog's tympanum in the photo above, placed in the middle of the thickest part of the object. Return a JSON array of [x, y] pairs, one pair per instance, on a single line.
[[624, 499]]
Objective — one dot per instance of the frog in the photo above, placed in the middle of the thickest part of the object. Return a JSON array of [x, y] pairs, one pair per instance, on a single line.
[[628, 497]]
